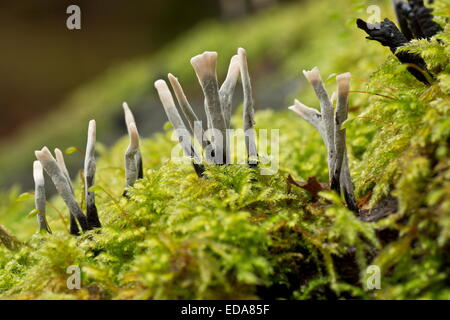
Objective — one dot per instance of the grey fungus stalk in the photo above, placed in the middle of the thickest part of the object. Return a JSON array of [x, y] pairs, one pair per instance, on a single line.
[[341, 169], [129, 118], [249, 122], [328, 122], [175, 119], [195, 125], [131, 165], [227, 88], [62, 185], [326, 111], [74, 229], [205, 68], [39, 196], [89, 177], [218, 109]]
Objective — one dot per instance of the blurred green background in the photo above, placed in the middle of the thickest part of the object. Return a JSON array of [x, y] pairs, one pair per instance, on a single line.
[[54, 79]]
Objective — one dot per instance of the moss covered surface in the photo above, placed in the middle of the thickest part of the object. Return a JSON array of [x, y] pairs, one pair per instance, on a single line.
[[238, 234]]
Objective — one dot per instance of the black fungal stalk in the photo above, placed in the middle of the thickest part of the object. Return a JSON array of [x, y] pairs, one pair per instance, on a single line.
[[416, 22]]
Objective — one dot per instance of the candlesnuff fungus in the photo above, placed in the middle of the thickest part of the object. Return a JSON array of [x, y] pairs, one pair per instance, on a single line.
[[328, 123], [129, 118], [182, 133], [205, 68], [62, 185], [39, 196], [61, 163], [249, 123], [416, 22], [89, 177], [195, 124], [227, 88], [131, 164], [218, 105]]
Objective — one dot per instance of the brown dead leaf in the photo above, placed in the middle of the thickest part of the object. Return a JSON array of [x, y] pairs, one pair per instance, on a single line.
[[313, 185], [362, 202]]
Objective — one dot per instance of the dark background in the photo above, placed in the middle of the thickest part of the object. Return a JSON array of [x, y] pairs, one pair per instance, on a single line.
[[42, 61]]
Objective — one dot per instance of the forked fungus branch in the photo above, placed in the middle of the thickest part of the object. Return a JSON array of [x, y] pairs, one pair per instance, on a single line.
[[218, 109], [328, 122]]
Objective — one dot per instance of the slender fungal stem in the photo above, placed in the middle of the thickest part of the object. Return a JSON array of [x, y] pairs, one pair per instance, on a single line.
[[129, 118], [62, 186], [182, 133], [39, 196], [326, 110], [226, 91], [332, 134], [343, 85], [341, 176], [249, 122], [312, 116], [131, 165], [89, 177], [74, 229], [195, 126], [183, 102], [205, 68]]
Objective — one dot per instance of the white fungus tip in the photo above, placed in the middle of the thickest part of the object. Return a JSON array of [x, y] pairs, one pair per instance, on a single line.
[[343, 81], [296, 106], [44, 154], [92, 129], [160, 84], [134, 136], [60, 161], [313, 75], [176, 86], [343, 77], [173, 81], [171, 77], [233, 69], [128, 115], [205, 64], [59, 156], [164, 93], [299, 108], [38, 173]]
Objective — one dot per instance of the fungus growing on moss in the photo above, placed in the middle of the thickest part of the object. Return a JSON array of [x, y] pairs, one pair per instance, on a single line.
[[249, 122], [89, 177], [131, 165], [62, 185], [217, 104], [133, 158], [61, 163], [129, 119], [39, 196], [182, 133], [328, 122], [57, 170]]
